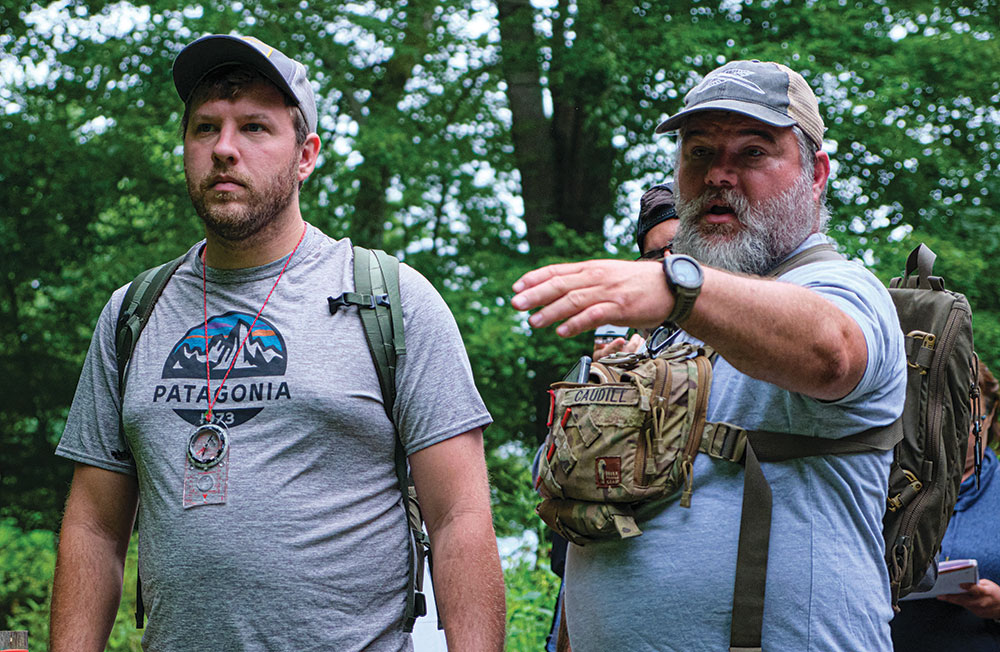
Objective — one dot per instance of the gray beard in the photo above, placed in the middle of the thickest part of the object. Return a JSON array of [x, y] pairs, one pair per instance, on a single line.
[[771, 229], [262, 206]]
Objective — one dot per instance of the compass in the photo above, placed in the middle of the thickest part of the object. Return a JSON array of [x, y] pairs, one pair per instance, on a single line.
[[207, 446]]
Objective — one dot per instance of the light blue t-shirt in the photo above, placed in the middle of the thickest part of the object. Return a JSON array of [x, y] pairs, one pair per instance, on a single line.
[[671, 588]]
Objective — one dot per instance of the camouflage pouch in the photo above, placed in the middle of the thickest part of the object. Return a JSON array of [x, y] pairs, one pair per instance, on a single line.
[[624, 439]]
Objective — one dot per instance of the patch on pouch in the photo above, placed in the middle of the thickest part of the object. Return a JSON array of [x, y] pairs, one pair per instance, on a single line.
[[608, 472]]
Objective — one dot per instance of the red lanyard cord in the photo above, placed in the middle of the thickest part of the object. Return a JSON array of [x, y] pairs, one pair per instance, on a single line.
[[204, 293]]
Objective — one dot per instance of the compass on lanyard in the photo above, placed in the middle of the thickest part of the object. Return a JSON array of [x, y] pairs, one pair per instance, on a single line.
[[207, 446]]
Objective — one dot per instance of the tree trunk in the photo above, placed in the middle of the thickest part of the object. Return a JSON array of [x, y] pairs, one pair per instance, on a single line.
[[534, 143], [566, 162]]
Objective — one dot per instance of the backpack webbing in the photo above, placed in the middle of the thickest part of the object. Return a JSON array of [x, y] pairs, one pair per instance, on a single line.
[[376, 282], [137, 306], [755, 519], [376, 277]]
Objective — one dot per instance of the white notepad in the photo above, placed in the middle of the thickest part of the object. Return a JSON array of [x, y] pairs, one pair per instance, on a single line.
[[951, 575]]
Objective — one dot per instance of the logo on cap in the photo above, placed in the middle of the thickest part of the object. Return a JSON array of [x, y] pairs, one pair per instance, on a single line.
[[265, 49], [735, 77]]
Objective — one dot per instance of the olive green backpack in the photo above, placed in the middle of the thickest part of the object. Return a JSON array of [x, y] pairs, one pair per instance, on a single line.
[[376, 280]]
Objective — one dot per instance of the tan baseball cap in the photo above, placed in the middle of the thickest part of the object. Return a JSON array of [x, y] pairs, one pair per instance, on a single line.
[[767, 91]]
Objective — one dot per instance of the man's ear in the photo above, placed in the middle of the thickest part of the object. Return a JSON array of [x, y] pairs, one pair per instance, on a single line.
[[821, 172], [308, 155]]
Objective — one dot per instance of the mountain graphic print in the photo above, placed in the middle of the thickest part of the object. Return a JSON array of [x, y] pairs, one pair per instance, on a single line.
[[263, 354]]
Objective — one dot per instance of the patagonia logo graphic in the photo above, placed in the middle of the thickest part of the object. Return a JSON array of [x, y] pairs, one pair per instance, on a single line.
[[608, 472], [251, 384], [600, 395], [732, 77]]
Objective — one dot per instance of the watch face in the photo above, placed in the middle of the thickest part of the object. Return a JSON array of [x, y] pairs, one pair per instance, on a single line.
[[685, 272]]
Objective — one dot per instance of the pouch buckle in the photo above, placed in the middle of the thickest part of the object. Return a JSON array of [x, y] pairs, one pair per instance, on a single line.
[[903, 498]]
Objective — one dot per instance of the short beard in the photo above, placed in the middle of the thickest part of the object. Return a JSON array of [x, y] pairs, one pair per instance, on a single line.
[[261, 209], [770, 229]]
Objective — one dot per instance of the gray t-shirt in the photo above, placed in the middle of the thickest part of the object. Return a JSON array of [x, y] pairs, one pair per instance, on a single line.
[[308, 551]]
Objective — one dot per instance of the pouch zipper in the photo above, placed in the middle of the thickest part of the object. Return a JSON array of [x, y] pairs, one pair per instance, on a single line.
[[947, 342], [704, 368], [644, 446]]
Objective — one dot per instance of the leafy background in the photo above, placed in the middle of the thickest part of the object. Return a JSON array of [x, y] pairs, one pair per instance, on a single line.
[[477, 139]]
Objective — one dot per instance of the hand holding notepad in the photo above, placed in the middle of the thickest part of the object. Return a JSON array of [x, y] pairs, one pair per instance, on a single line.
[[952, 574]]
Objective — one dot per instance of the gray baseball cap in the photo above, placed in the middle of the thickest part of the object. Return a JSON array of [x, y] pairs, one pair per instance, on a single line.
[[209, 52], [766, 91]]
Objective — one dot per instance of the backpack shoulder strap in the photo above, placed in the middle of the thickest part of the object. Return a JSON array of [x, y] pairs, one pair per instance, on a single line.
[[376, 284], [813, 254], [137, 306]]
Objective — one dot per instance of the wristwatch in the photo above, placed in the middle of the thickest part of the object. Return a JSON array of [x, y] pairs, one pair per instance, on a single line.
[[684, 278]]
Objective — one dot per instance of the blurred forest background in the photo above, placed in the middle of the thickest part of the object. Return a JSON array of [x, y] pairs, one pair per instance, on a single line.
[[476, 139]]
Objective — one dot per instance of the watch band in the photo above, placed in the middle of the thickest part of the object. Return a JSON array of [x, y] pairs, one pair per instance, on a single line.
[[683, 305]]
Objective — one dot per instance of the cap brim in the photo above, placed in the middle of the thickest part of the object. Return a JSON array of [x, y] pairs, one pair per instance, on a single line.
[[209, 52], [756, 111]]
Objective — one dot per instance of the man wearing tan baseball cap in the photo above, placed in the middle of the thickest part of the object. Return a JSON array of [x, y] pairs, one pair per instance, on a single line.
[[814, 353]]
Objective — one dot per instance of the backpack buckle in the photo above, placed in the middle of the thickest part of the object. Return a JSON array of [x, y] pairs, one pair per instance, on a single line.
[[336, 303], [920, 350], [360, 300]]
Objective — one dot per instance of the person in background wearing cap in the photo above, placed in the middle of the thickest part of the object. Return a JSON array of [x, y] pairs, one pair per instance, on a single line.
[[815, 353], [654, 234], [253, 425]]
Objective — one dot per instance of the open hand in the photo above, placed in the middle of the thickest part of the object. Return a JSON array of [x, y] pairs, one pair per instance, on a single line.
[[594, 292]]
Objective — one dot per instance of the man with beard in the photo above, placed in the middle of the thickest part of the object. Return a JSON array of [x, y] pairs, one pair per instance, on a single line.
[[815, 353], [253, 424]]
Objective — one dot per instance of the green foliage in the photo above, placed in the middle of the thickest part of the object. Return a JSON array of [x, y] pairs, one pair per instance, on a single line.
[[514, 499], [27, 562], [531, 599]]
